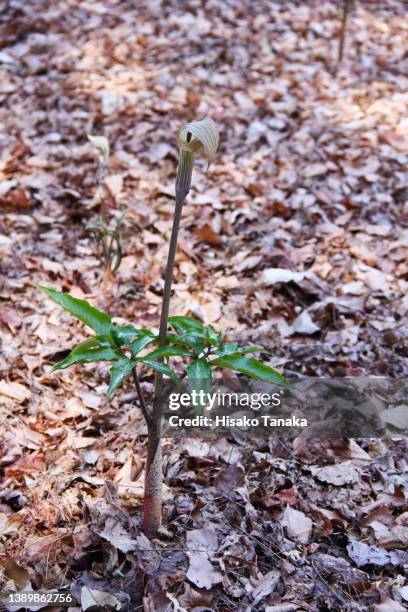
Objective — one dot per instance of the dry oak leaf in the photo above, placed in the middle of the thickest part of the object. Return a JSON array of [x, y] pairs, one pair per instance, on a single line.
[[390, 538], [16, 573], [397, 140], [363, 554], [73, 409], [15, 391], [16, 198], [10, 317], [279, 499], [207, 234], [249, 263], [201, 572], [129, 478], [229, 479], [25, 437], [90, 599], [298, 525], [271, 276], [29, 465], [327, 518], [364, 254], [193, 599], [9, 524], [338, 475], [116, 535], [38, 548], [265, 586], [303, 324], [202, 540]]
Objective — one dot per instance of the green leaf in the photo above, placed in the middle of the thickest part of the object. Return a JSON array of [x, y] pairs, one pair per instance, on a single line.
[[232, 348], [120, 370], [199, 369], [99, 321], [124, 333], [140, 343], [167, 351], [194, 341], [160, 367], [213, 337], [199, 378], [184, 325], [90, 350], [243, 350], [252, 367]]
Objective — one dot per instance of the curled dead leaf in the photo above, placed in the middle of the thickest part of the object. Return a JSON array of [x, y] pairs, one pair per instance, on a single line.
[[298, 525]]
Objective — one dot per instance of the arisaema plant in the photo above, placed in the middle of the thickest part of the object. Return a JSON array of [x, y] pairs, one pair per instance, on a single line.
[[130, 348], [107, 235]]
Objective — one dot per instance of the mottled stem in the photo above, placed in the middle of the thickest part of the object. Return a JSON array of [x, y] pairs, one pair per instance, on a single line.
[[154, 473]]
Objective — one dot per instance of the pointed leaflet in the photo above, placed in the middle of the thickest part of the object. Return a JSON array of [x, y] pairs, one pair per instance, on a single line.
[[251, 349], [229, 348], [252, 367], [99, 321], [140, 343], [232, 348], [199, 369], [194, 341], [199, 379], [160, 367], [168, 351], [213, 337], [122, 334], [121, 369], [184, 325], [90, 350]]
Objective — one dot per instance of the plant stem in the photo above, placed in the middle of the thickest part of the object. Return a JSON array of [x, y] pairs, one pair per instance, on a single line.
[[153, 471], [140, 395], [152, 503], [169, 272], [347, 6]]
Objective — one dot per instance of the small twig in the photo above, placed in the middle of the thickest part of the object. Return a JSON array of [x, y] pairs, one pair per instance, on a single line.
[[347, 6], [139, 392]]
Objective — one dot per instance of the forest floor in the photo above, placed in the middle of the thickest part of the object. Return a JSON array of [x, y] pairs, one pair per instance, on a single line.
[[311, 176]]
